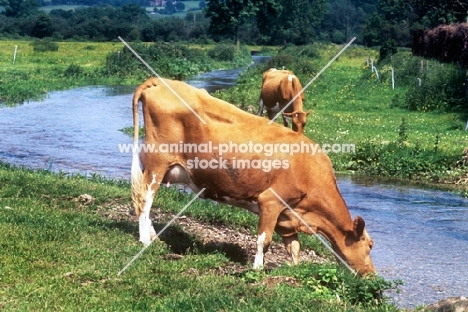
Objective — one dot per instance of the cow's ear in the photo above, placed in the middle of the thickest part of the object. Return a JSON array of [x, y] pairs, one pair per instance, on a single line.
[[308, 112], [359, 225]]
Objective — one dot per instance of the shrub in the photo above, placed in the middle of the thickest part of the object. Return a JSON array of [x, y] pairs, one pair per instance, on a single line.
[[44, 46], [388, 48], [442, 89], [222, 52], [73, 71]]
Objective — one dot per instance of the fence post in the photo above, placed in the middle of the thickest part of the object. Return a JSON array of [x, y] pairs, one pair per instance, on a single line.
[[14, 54], [393, 79], [376, 73]]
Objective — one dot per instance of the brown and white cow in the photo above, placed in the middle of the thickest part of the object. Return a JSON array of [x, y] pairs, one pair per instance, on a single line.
[[262, 176], [279, 87]]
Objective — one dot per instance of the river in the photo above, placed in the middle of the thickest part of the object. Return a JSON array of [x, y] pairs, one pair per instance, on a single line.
[[420, 235]]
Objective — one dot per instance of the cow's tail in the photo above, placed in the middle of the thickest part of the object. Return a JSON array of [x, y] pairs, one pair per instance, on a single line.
[[137, 179], [297, 87], [142, 195]]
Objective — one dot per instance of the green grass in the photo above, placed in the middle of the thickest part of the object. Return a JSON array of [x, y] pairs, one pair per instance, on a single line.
[[63, 255]]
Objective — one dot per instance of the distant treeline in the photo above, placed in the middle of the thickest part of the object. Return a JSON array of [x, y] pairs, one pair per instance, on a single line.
[[104, 24], [105, 20], [372, 22]]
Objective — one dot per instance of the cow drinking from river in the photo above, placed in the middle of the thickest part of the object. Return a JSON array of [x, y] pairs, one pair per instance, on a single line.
[[250, 166]]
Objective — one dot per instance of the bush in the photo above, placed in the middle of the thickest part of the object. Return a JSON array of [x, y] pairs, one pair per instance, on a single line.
[[73, 71], [443, 90], [44, 46], [222, 52], [168, 60], [388, 48]]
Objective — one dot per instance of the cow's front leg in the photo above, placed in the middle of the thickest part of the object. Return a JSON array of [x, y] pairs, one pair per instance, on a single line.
[[260, 108], [285, 121], [270, 209], [292, 247]]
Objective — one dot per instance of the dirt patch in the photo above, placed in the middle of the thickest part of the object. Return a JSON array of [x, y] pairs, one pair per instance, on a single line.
[[186, 234]]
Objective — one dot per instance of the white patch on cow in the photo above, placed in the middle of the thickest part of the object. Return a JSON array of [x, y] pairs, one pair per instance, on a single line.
[[146, 229], [290, 77], [258, 263], [276, 108]]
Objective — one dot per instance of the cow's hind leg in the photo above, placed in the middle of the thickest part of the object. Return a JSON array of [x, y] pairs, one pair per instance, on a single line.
[[144, 187], [270, 209], [292, 247], [146, 229]]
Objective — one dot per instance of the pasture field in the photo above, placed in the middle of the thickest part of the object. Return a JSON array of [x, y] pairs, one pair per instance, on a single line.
[[61, 253]]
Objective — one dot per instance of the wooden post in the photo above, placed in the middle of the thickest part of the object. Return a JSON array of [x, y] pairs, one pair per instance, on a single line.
[[14, 54], [376, 73], [393, 79]]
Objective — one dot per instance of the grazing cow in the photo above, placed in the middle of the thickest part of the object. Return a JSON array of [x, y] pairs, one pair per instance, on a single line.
[[279, 87], [236, 158], [299, 120]]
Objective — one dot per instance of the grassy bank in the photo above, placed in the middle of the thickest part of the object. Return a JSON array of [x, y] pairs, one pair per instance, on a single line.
[[43, 66], [62, 251]]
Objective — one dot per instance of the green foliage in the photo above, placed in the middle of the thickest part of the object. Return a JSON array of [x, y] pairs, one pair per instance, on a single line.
[[282, 21], [73, 71], [222, 52], [295, 58], [443, 86], [442, 89], [168, 60], [402, 132], [44, 45], [229, 16], [401, 160], [387, 49], [329, 282]]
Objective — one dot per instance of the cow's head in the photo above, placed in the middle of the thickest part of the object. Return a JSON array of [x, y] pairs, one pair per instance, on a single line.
[[299, 119], [356, 248]]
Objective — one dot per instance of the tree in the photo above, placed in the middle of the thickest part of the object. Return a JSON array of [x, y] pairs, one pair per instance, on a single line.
[[282, 21], [229, 15], [19, 8], [344, 16]]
